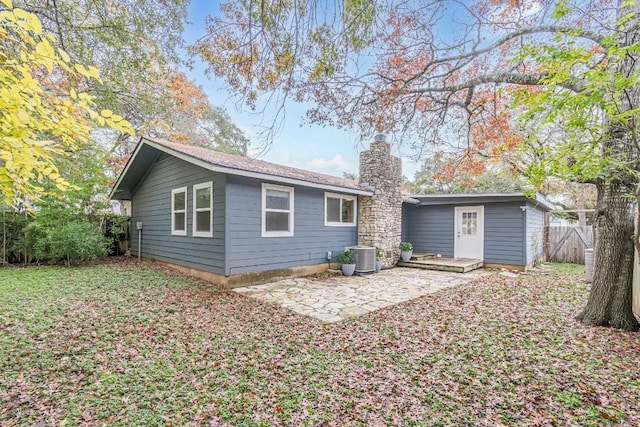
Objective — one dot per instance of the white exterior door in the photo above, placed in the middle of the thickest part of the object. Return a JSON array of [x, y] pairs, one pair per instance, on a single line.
[[469, 232]]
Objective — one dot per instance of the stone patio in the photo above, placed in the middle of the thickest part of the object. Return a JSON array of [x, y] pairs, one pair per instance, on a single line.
[[338, 298]]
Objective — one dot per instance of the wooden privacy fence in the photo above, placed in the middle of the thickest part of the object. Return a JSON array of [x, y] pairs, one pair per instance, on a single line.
[[567, 244]]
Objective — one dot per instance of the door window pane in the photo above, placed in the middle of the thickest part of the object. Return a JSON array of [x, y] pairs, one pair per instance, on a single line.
[[469, 223]]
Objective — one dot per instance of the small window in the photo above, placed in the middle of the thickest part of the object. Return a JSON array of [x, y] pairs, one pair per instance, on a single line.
[[470, 223], [179, 211], [340, 210], [277, 211], [203, 210]]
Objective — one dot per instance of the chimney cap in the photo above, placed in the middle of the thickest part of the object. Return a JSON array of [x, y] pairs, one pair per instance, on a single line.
[[380, 138]]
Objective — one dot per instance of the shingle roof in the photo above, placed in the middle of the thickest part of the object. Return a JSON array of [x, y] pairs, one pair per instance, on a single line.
[[241, 163]]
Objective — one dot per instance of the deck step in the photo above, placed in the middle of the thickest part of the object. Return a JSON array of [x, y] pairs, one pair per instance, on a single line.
[[422, 257], [456, 265]]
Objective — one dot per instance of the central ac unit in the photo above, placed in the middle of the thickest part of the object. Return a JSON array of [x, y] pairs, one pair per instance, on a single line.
[[364, 258]]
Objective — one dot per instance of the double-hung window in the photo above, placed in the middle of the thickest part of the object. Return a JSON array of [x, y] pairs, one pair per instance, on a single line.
[[179, 211], [277, 211], [340, 210], [203, 210]]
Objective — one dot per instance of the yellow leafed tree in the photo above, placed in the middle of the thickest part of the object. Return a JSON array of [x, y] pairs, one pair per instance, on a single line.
[[43, 111]]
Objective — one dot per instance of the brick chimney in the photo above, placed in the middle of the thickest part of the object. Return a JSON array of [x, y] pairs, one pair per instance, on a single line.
[[380, 215]]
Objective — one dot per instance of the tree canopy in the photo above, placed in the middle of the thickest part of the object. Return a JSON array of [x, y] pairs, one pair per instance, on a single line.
[[431, 72], [137, 47], [557, 80], [51, 54], [42, 114], [439, 174]]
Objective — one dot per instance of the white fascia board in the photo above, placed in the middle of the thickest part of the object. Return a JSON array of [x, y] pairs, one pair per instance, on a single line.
[[126, 168], [542, 200], [464, 195]]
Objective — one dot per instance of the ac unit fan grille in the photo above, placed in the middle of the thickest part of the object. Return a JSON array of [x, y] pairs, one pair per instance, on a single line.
[[364, 258]]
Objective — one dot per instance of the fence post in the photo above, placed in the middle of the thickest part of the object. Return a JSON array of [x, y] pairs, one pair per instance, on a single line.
[[545, 237]]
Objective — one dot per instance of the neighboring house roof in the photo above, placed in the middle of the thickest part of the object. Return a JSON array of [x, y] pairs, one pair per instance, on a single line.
[[148, 150], [456, 198]]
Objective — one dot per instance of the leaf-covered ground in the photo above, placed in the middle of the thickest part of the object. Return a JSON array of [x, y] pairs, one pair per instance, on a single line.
[[123, 343]]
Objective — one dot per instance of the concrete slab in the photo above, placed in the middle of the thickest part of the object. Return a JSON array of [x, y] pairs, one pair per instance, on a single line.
[[338, 298]]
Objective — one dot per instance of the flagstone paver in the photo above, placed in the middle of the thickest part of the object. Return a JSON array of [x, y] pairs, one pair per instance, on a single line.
[[339, 297]]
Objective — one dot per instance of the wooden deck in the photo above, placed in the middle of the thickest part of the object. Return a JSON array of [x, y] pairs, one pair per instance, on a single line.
[[431, 262]]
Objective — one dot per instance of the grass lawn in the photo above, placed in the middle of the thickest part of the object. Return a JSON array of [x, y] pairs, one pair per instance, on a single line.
[[122, 343]]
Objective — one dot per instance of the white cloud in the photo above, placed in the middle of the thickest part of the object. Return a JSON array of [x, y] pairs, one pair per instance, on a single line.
[[335, 166]]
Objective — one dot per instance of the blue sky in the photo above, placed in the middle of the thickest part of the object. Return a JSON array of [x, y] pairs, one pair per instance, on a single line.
[[311, 147]]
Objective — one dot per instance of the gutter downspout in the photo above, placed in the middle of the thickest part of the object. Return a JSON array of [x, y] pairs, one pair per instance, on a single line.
[[139, 227]]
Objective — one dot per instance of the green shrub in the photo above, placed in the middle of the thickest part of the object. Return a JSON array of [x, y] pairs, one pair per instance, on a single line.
[[12, 226], [406, 246], [346, 257], [77, 241]]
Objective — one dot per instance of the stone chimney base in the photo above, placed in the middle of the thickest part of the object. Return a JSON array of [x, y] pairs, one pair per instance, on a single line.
[[380, 215]]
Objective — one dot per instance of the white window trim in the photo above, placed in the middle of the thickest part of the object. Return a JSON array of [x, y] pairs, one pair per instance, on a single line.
[[197, 187], [341, 197], [266, 233], [173, 212]]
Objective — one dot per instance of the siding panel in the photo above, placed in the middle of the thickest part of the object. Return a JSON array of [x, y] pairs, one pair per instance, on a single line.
[[404, 232], [250, 252], [430, 229], [535, 231], [151, 204], [504, 230]]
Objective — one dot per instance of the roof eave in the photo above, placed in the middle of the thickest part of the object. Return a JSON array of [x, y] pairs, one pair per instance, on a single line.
[[463, 195], [543, 201], [136, 150], [539, 199], [234, 171]]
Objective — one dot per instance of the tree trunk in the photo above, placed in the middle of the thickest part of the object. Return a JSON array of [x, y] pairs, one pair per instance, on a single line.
[[610, 299]]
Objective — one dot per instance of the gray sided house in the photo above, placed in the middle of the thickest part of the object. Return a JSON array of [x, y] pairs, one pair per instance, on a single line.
[[231, 219], [236, 220], [502, 229]]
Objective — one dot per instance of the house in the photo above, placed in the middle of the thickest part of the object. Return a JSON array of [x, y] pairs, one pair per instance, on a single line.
[[237, 221], [234, 219], [505, 230]]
